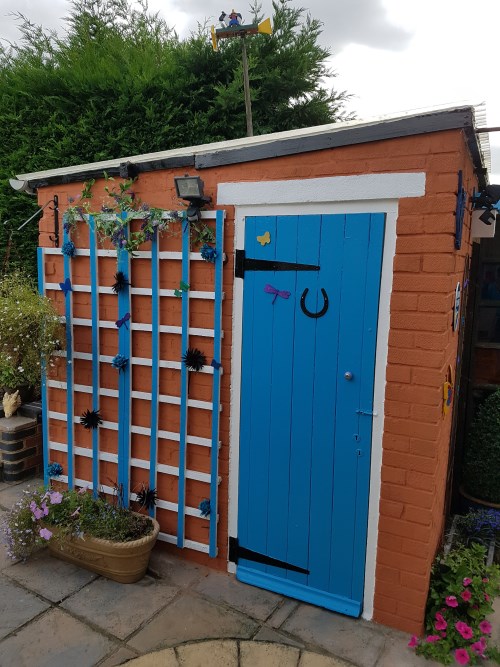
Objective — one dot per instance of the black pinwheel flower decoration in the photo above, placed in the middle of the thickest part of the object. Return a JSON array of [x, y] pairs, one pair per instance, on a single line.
[[194, 359], [91, 419], [121, 282], [147, 497]]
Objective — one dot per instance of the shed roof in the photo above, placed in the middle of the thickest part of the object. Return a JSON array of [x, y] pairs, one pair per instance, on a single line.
[[291, 142]]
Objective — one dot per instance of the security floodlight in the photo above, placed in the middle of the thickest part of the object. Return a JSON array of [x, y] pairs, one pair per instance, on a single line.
[[21, 186], [190, 188]]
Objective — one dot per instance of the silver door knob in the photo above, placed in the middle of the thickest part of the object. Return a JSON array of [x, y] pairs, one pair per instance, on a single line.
[[348, 375]]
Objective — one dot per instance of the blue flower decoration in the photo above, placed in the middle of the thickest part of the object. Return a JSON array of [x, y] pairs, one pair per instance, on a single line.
[[119, 362], [204, 507], [68, 248], [208, 253], [54, 469]]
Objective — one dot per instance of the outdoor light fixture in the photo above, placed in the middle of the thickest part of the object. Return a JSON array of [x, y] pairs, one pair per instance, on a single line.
[[487, 201], [190, 188]]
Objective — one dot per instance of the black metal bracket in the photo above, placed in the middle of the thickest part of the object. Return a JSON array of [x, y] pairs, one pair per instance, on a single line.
[[243, 263], [55, 208], [236, 551]]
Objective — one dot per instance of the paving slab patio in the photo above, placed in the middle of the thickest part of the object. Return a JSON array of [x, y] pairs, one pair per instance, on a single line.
[[117, 608], [49, 577], [55, 639], [225, 588], [181, 615], [189, 618], [17, 607]]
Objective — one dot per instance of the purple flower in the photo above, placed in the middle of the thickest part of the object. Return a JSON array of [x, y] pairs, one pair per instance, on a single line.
[[55, 498], [413, 641], [45, 533], [464, 629]]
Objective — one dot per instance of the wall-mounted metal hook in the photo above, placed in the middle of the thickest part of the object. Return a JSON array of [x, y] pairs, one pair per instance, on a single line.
[[55, 208], [307, 312]]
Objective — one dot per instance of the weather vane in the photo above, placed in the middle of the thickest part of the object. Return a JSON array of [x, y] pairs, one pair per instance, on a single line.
[[231, 26]]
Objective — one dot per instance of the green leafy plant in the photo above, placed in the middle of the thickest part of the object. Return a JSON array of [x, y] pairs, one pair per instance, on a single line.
[[30, 331], [120, 209], [45, 514], [481, 467], [461, 594]]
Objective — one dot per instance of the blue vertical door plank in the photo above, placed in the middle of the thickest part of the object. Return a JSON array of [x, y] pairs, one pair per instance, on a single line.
[[256, 421], [94, 292], [124, 383], [371, 300], [303, 363], [214, 454], [155, 368], [282, 381], [45, 412], [70, 414], [181, 499], [344, 514], [325, 399]]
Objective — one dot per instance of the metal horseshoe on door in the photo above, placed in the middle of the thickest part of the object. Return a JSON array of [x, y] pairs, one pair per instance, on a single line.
[[307, 312]]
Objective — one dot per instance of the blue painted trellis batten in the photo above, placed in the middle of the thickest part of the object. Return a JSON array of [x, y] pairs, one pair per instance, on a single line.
[[68, 300], [94, 286], [124, 384], [214, 454], [181, 493], [155, 369], [45, 414]]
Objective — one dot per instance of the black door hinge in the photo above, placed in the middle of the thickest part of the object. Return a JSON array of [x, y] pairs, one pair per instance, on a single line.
[[243, 263], [236, 551]]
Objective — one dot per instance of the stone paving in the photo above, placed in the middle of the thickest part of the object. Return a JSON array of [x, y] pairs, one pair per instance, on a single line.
[[180, 615]]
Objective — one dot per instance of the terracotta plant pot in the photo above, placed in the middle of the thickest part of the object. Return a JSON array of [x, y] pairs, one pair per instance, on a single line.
[[125, 562]]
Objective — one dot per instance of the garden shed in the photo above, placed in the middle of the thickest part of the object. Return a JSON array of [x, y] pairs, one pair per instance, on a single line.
[[280, 366]]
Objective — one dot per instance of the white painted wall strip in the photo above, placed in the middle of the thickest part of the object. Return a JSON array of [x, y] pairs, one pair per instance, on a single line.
[[189, 544], [138, 361], [138, 326], [138, 291]]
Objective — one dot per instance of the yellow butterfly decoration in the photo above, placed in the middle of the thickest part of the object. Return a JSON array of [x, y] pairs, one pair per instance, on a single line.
[[264, 239]]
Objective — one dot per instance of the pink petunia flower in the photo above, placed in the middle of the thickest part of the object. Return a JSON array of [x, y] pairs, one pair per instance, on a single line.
[[443, 634], [55, 498], [486, 597], [466, 595], [462, 656], [464, 629], [45, 533], [440, 623], [431, 639], [485, 580], [413, 641], [451, 601], [467, 581], [478, 649], [485, 627]]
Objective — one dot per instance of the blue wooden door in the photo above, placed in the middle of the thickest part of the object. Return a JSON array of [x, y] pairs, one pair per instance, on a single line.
[[306, 404]]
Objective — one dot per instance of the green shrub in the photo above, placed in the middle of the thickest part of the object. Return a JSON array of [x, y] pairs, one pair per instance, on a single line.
[[30, 331], [481, 469]]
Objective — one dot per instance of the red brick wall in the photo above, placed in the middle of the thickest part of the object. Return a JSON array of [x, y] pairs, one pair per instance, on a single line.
[[421, 344]]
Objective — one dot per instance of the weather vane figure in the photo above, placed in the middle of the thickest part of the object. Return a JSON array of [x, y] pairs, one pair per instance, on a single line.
[[231, 26]]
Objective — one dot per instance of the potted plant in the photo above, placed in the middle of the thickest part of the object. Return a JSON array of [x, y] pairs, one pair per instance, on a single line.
[[30, 331], [89, 531], [481, 465]]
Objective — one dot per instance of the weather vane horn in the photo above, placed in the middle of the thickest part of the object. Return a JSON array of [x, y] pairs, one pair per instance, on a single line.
[[231, 26]]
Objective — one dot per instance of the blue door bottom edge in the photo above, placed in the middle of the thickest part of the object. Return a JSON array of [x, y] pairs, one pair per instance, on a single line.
[[292, 589]]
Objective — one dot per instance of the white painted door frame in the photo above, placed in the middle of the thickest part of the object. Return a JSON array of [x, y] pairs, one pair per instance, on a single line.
[[371, 193]]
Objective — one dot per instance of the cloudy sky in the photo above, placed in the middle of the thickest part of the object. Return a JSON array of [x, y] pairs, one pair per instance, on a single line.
[[392, 55]]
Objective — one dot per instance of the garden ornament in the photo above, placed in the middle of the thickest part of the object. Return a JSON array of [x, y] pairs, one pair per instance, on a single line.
[[10, 403]]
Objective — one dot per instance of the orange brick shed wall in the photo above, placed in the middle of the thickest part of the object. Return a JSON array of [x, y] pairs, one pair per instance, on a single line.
[[421, 342]]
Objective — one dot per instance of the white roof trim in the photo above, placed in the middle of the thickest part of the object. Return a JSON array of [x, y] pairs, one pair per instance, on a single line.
[[222, 146]]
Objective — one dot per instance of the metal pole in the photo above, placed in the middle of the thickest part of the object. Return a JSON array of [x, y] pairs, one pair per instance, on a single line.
[[246, 85]]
